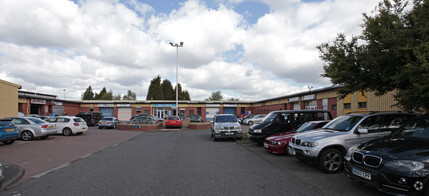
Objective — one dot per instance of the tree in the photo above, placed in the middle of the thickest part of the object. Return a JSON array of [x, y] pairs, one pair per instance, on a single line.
[[155, 89], [88, 94], [168, 91], [117, 97], [216, 96], [129, 96], [391, 54], [233, 99]]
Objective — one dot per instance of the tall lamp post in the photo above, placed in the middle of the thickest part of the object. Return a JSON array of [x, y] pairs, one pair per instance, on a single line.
[[64, 93], [177, 74]]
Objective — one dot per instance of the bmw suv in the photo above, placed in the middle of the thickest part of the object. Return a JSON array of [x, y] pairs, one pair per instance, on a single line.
[[327, 146], [225, 126]]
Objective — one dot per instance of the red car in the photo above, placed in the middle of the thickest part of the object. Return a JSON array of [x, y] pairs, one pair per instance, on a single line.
[[173, 121], [277, 144]]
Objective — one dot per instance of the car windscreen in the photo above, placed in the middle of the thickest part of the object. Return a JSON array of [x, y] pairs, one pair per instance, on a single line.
[[107, 119], [306, 126], [173, 118], [417, 128], [343, 123], [226, 119], [36, 120], [269, 117]]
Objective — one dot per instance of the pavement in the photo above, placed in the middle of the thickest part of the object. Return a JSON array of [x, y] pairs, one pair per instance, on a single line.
[[11, 173]]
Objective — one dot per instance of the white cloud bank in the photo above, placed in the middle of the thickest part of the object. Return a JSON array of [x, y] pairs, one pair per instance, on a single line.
[[47, 46]]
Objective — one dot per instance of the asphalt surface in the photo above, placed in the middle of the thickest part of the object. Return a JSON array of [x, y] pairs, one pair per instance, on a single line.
[[169, 162]]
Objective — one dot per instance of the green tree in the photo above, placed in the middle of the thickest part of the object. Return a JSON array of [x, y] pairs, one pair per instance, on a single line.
[[168, 91], [391, 54], [129, 96], [185, 95], [216, 96], [117, 97], [233, 99], [155, 89], [88, 94]]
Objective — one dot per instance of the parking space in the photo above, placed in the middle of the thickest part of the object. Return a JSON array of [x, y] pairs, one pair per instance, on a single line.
[[42, 155]]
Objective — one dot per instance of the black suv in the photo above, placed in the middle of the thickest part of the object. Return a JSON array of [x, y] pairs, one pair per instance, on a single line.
[[397, 164], [284, 121], [91, 118]]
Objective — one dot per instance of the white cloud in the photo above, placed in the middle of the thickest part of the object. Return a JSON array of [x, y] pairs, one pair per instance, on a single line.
[[47, 46]]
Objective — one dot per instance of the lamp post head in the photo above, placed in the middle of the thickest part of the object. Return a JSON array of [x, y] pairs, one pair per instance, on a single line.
[[171, 43], [181, 43]]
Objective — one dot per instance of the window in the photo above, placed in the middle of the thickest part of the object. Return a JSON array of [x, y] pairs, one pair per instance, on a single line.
[[362, 104], [334, 106], [191, 112], [347, 105]]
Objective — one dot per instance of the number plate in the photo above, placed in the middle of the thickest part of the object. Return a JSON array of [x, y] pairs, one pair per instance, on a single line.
[[361, 174], [228, 133], [51, 127], [291, 151], [8, 130], [265, 145]]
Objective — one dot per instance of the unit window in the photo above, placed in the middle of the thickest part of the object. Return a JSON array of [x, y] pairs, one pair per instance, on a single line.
[[334, 107], [191, 112], [362, 104], [347, 105]]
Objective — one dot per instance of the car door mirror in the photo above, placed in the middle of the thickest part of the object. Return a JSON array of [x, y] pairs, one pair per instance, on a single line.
[[362, 131]]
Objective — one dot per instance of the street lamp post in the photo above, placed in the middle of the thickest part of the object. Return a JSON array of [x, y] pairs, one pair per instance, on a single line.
[[177, 74], [64, 93]]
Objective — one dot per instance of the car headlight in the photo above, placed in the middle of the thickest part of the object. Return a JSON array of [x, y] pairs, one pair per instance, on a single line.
[[218, 128], [309, 144], [257, 131], [405, 165]]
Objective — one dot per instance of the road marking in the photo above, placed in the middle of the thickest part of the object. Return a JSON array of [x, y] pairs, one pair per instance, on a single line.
[[52, 170]]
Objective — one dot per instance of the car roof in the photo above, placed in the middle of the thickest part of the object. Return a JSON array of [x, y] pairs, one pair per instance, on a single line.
[[379, 113]]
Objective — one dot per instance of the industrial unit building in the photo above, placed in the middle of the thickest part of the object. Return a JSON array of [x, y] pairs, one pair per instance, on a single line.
[[323, 98]]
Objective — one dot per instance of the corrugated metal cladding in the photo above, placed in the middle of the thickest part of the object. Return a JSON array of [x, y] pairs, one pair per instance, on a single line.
[[229, 111], [383, 103], [107, 112]]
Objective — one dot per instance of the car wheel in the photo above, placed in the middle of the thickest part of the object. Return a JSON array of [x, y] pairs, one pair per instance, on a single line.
[[100, 127], [239, 138], [9, 142], [250, 123], [27, 136], [67, 132], [331, 160]]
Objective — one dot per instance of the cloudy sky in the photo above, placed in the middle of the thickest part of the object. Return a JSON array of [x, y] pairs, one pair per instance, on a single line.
[[248, 49]]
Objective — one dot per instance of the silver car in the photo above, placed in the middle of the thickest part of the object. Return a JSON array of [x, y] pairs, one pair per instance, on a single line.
[[327, 146], [30, 128], [254, 120], [225, 126]]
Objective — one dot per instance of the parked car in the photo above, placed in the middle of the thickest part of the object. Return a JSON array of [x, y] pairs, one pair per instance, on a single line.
[[173, 121], [277, 144], [396, 164], [327, 146], [69, 125], [225, 126], [8, 132], [241, 120], [144, 120], [108, 122], [157, 119], [284, 121], [91, 118], [30, 128], [193, 118], [254, 120]]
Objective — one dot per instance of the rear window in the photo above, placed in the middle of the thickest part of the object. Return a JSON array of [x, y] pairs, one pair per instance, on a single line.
[[78, 119], [173, 118], [107, 119], [6, 123]]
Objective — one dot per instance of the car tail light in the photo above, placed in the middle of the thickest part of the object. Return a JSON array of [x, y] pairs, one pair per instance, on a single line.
[[44, 126], [76, 124], [109, 123]]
